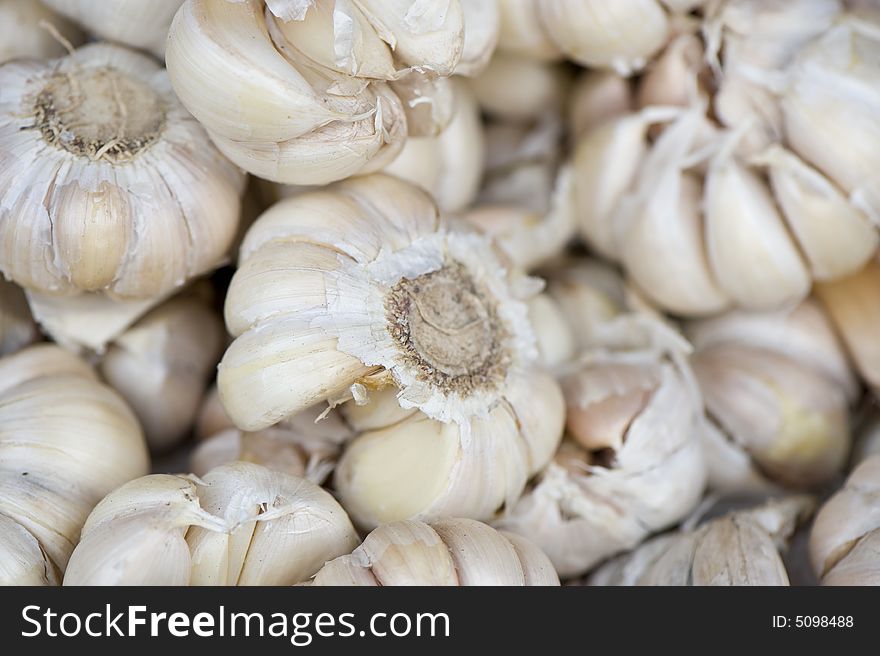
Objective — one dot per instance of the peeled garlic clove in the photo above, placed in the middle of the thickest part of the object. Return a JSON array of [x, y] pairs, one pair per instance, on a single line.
[[854, 306], [385, 261], [520, 32], [482, 23], [518, 88], [754, 258], [843, 540], [580, 512], [448, 165], [240, 525], [162, 364], [418, 468], [132, 202], [66, 440], [790, 419], [17, 328], [741, 548], [447, 552], [622, 36], [597, 96], [835, 237], [21, 34], [299, 123], [837, 75]]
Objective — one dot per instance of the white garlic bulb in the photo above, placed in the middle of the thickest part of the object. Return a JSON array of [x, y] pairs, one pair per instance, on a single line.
[[306, 444], [302, 97], [845, 537], [520, 31], [23, 35], [17, 328], [448, 165], [740, 548], [162, 364], [853, 304], [482, 25], [777, 388], [66, 440], [621, 35], [241, 524], [108, 184], [445, 552], [636, 414], [130, 22], [597, 96]]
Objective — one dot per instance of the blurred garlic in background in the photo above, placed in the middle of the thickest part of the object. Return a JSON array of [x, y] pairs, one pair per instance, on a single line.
[[23, 35], [777, 388], [17, 328], [634, 462], [109, 186], [845, 538], [741, 548], [162, 364], [67, 440], [597, 96], [241, 524], [445, 552], [520, 89]]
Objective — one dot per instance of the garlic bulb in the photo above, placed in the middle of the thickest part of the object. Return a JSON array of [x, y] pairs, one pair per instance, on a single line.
[[621, 35], [161, 366], [845, 537], [482, 24], [445, 552], [302, 97], [130, 22], [17, 328], [108, 184], [306, 444], [597, 96], [777, 388], [450, 165], [66, 441], [741, 548], [638, 465], [831, 106], [854, 306], [517, 88], [520, 32], [241, 524], [22, 35]]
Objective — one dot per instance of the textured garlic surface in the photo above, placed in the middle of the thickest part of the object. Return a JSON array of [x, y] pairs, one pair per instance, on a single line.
[[66, 440], [21, 34], [108, 184], [142, 25], [162, 364], [845, 538], [17, 327], [448, 552], [302, 97], [633, 464], [777, 388], [741, 548], [241, 524]]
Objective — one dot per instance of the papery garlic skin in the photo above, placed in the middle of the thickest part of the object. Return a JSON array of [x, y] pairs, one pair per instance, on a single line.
[[161, 366], [241, 524], [17, 327], [845, 536], [448, 551], [21, 34], [777, 388], [741, 548], [620, 35], [647, 421], [131, 22], [117, 190], [449, 165], [67, 440]]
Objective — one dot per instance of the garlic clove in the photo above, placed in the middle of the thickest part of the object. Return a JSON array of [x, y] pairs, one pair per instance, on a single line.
[[429, 103], [521, 33], [622, 36], [672, 79], [482, 23], [22, 559], [556, 343], [17, 328], [537, 568], [597, 96], [481, 554], [21, 34], [518, 88]]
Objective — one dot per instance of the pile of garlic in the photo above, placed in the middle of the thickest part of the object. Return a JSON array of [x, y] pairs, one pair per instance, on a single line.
[[439, 292]]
